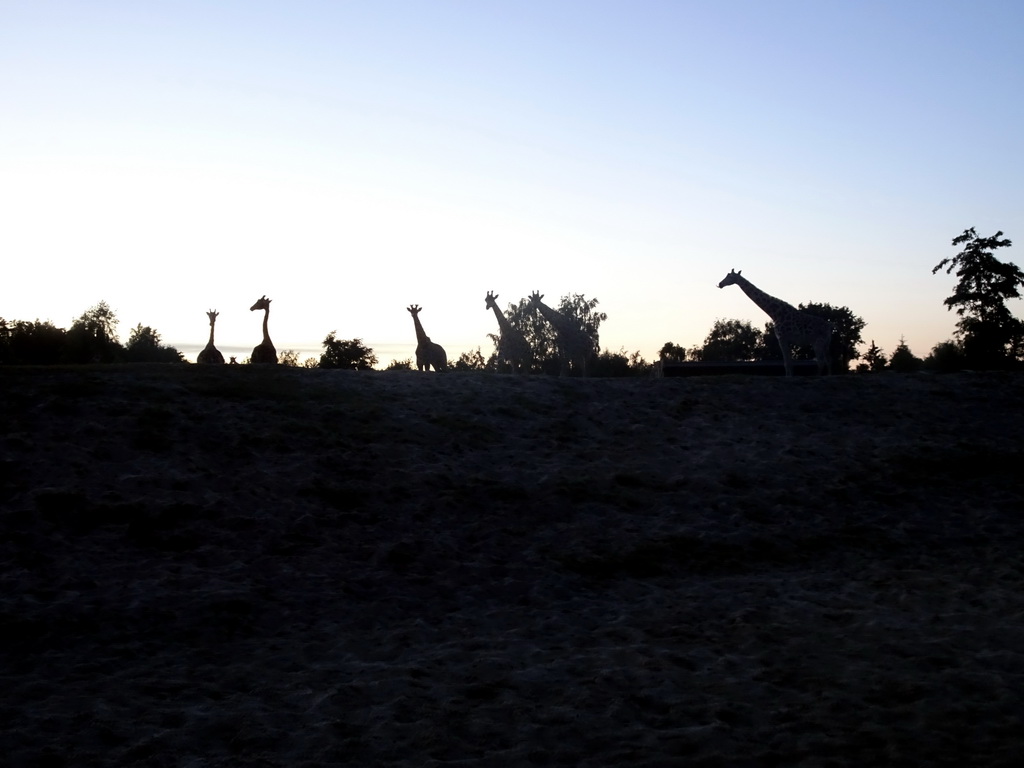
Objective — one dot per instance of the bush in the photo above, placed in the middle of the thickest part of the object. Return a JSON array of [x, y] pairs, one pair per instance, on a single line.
[[351, 354]]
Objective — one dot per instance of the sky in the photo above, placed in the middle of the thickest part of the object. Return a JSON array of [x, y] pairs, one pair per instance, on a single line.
[[349, 159]]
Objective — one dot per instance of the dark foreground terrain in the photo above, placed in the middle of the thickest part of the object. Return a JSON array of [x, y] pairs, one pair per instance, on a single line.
[[282, 567]]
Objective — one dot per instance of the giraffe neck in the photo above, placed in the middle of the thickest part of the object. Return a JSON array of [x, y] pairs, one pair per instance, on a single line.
[[503, 322], [211, 335], [420, 335], [774, 308], [555, 318], [266, 319]]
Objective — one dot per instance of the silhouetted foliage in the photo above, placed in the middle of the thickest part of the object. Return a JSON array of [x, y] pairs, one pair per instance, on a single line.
[[289, 358], [730, 341], [946, 357], [144, 347], [92, 338], [903, 360], [990, 336], [400, 365], [351, 354], [846, 328], [670, 352], [470, 361], [540, 334], [31, 343], [874, 359], [619, 364]]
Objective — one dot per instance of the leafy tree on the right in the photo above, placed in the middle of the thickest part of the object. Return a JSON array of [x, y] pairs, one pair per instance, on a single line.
[[990, 336]]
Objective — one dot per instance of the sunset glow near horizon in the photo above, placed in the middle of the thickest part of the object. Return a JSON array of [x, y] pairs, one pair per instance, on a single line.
[[350, 159]]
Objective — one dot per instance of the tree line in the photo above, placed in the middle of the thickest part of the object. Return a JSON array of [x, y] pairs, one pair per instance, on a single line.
[[987, 335]]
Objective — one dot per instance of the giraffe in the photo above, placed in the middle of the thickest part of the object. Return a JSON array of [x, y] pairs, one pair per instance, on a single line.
[[264, 353], [792, 326], [210, 354], [575, 345], [513, 348], [427, 352]]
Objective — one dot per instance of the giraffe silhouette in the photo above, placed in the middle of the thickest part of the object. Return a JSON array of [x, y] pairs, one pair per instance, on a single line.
[[264, 353], [427, 352], [792, 326], [210, 354], [575, 345], [513, 348]]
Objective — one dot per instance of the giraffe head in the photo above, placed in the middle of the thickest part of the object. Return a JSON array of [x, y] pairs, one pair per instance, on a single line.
[[414, 309], [731, 278], [535, 298], [263, 303], [212, 314], [491, 300]]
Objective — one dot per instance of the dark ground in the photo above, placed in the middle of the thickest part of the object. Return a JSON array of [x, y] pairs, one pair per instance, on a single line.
[[282, 567]]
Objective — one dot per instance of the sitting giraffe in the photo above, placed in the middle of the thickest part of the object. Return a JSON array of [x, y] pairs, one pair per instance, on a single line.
[[427, 352], [513, 348], [793, 327], [575, 345], [210, 354], [264, 353]]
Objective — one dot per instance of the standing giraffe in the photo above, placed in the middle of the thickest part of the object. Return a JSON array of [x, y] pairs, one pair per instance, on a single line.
[[210, 354], [792, 326], [513, 348], [575, 345], [264, 353], [427, 352]]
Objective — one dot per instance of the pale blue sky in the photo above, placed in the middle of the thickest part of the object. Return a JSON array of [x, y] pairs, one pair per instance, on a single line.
[[348, 159]]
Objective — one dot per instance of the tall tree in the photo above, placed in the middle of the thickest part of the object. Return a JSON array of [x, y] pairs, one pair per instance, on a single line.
[[990, 335]]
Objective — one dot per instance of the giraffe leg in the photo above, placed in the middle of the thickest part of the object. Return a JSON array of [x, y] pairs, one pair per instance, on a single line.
[[823, 359], [787, 360]]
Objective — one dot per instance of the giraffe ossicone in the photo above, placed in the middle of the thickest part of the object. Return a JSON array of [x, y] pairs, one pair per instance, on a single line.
[[428, 354], [263, 353], [793, 327], [210, 355], [513, 348]]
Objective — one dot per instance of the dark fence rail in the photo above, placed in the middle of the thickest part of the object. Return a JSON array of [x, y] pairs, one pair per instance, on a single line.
[[756, 368]]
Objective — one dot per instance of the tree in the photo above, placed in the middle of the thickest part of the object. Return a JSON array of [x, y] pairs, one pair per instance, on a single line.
[[92, 338], [946, 357], [990, 336], [729, 341], [471, 361], [670, 352], [32, 343], [846, 328], [620, 363], [903, 360], [144, 347], [874, 358], [541, 335], [351, 354]]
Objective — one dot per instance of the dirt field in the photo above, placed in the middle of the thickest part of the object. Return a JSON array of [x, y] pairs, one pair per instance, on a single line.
[[287, 567]]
